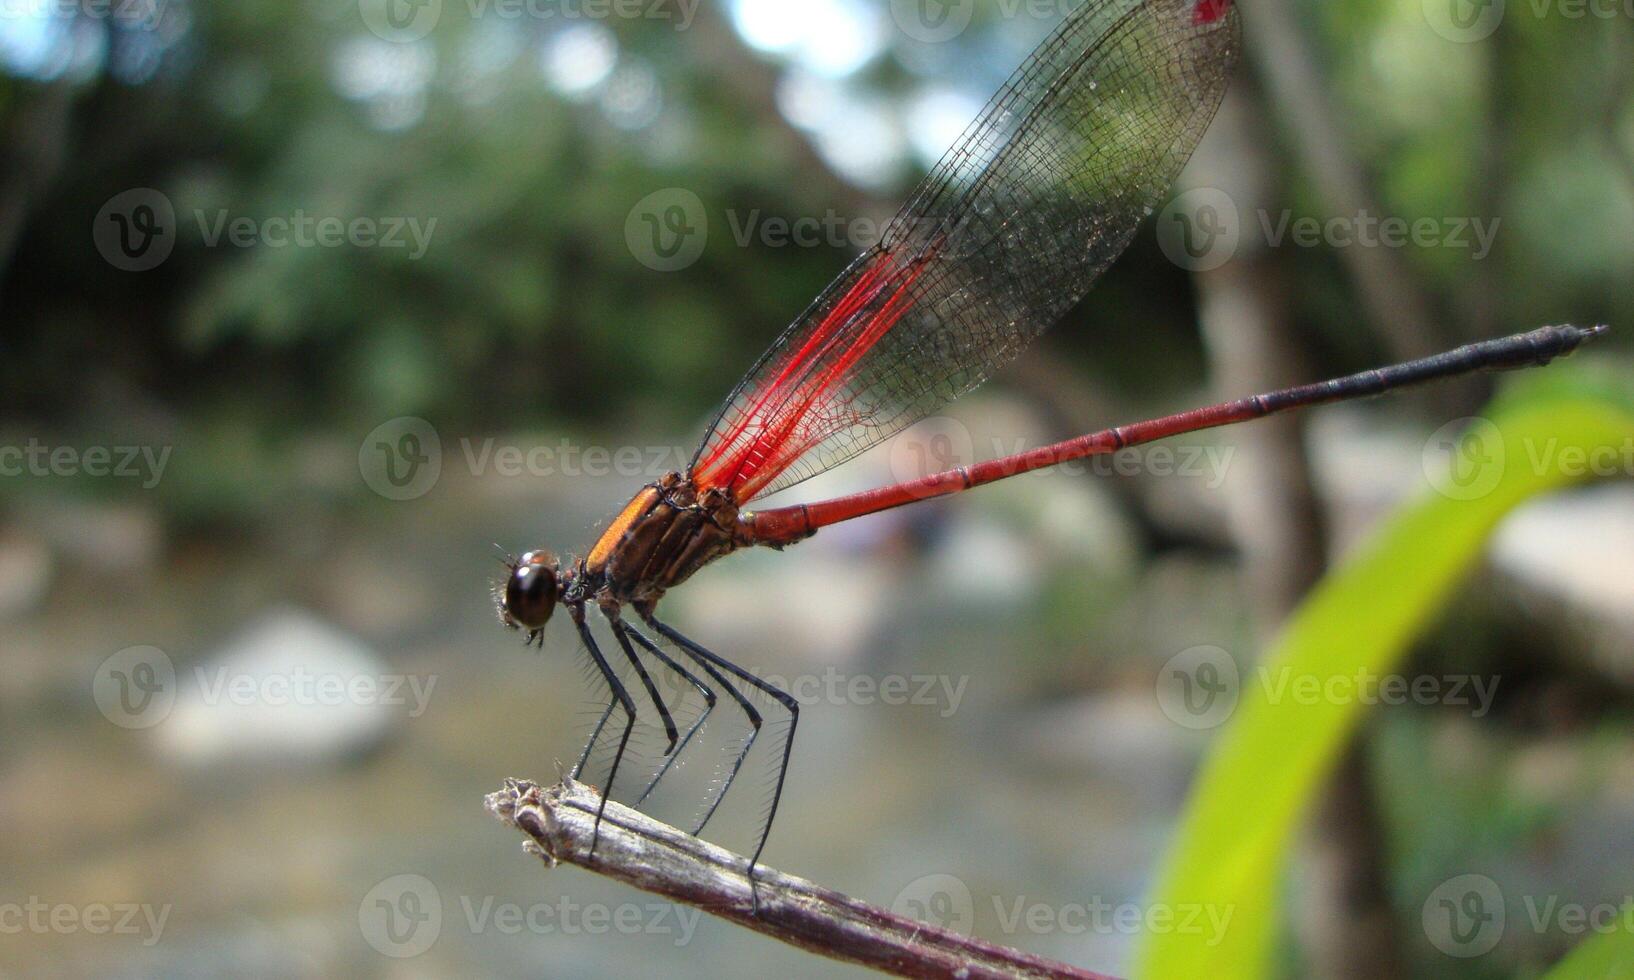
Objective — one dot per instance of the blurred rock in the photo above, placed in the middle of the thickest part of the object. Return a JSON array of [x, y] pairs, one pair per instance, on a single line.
[[1121, 731], [1568, 559], [377, 596], [1578, 546], [981, 562], [1364, 467], [113, 537], [25, 573], [289, 690]]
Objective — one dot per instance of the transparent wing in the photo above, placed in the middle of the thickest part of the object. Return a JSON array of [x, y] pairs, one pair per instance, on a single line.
[[1012, 227]]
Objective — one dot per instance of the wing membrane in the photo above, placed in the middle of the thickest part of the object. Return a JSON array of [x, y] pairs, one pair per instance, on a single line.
[[1010, 229]]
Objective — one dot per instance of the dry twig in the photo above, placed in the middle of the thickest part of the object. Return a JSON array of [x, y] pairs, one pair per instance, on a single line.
[[656, 857]]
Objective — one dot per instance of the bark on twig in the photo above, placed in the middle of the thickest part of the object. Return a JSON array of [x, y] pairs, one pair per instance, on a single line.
[[661, 859]]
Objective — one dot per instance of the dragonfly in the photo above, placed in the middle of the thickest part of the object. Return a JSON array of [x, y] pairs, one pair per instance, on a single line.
[[1038, 196]]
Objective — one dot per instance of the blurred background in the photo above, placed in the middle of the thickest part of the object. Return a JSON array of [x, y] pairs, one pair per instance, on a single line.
[[304, 306]]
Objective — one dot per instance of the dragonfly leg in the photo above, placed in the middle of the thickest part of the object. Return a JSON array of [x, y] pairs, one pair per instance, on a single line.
[[595, 736], [708, 694], [646, 679], [749, 711], [706, 658], [622, 698]]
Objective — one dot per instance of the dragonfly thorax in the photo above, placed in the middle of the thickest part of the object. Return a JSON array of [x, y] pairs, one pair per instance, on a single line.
[[659, 539]]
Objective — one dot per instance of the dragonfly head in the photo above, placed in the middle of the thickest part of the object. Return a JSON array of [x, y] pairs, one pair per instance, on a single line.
[[528, 595]]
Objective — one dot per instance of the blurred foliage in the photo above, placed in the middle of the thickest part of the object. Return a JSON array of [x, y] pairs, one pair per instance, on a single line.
[[1271, 758], [529, 309]]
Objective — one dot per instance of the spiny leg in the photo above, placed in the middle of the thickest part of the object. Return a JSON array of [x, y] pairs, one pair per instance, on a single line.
[[623, 698], [702, 688], [601, 725], [595, 736], [646, 680], [749, 711], [782, 697]]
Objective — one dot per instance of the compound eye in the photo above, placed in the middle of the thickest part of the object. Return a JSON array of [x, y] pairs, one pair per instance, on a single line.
[[530, 593]]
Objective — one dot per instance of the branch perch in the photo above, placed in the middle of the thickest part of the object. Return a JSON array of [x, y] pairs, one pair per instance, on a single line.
[[661, 859]]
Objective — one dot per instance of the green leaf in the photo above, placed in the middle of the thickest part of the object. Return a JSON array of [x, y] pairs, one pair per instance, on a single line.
[[1268, 762], [1608, 954]]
